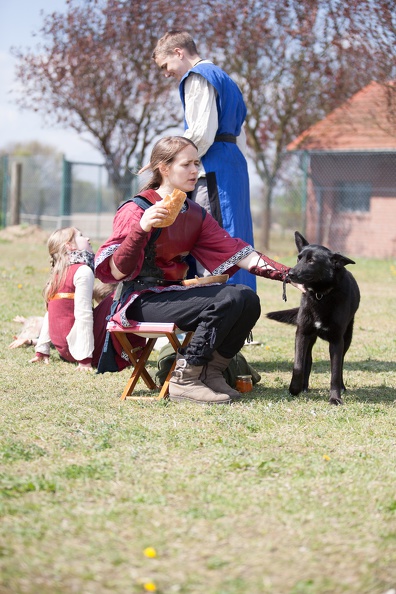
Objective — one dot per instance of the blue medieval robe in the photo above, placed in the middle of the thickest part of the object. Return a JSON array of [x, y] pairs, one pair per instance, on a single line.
[[224, 164]]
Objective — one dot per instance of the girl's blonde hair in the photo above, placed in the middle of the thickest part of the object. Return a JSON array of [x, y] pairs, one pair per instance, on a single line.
[[59, 259], [164, 152]]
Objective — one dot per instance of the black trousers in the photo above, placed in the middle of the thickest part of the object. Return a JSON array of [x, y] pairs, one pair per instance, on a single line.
[[222, 317]]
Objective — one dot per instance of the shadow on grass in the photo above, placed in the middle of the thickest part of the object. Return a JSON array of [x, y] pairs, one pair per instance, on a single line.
[[323, 366], [374, 394], [262, 394]]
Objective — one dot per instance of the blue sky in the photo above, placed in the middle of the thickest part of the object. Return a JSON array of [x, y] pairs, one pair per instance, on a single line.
[[18, 19]]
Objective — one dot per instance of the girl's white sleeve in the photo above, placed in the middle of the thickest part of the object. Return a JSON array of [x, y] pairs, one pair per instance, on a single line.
[[44, 342], [80, 338]]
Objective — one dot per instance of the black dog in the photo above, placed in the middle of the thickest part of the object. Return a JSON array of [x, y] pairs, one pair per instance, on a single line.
[[327, 310]]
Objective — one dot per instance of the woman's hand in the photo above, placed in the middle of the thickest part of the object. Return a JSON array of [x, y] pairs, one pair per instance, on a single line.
[[153, 216], [40, 358]]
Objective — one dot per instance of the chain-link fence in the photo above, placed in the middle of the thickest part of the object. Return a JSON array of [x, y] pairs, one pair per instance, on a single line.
[[350, 199], [53, 192], [345, 200]]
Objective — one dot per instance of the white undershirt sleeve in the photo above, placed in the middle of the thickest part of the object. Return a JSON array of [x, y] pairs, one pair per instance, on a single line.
[[44, 342], [200, 112], [81, 338]]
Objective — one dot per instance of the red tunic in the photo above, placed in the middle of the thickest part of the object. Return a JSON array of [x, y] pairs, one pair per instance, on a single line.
[[199, 235], [61, 315]]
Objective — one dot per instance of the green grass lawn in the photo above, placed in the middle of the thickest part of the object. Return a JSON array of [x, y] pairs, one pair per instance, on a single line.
[[273, 494]]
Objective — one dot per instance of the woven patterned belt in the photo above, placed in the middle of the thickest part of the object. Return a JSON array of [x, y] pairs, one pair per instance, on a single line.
[[62, 296]]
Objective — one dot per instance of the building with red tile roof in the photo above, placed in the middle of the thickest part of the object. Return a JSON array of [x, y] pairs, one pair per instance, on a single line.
[[351, 175]]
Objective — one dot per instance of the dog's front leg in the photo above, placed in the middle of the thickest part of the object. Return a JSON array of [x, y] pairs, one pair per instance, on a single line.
[[308, 363], [336, 350], [303, 345]]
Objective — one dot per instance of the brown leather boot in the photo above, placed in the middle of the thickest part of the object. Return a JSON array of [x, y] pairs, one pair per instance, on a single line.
[[212, 376], [186, 385]]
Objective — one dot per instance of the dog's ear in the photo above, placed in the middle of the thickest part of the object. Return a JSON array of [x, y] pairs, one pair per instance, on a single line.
[[300, 241], [339, 260]]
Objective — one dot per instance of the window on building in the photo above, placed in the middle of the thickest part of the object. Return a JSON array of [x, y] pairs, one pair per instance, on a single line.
[[354, 196]]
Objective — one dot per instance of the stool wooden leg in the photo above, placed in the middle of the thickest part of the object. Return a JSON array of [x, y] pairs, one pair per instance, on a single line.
[[139, 366], [126, 345]]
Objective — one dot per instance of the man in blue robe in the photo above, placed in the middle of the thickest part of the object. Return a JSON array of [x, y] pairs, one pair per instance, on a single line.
[[214, 113]]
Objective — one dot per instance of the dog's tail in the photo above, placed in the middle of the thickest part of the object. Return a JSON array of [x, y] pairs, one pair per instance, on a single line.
[[287, 316]]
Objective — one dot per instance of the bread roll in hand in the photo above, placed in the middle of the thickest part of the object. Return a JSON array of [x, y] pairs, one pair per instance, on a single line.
[[173, 203]]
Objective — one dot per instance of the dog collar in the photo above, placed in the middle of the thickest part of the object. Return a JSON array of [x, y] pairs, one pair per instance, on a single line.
[[320, 296]]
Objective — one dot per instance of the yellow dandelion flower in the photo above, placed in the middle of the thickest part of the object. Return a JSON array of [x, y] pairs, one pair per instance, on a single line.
[[150, 552], [150, 587], [326, 457], [267, 348], [20, 286]]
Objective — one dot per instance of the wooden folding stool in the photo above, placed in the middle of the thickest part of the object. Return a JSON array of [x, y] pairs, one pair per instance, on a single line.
[[151, 331]]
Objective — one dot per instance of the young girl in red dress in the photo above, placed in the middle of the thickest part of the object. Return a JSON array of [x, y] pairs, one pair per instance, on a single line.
[[75, 329]]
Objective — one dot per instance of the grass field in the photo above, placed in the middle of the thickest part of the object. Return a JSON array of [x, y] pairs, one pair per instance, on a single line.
[[273, 494]]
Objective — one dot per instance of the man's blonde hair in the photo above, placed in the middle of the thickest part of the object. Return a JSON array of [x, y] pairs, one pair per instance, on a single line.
[[172, 40]]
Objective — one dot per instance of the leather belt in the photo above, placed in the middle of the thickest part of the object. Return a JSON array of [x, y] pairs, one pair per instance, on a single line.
[[225, 138], [151, 280], [62, 296]]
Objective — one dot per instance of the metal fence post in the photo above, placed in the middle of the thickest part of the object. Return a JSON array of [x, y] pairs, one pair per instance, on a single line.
[[4, 191], [16, 184], [99, 201], [66, 197]]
